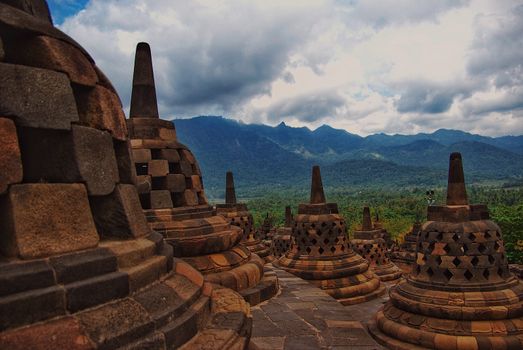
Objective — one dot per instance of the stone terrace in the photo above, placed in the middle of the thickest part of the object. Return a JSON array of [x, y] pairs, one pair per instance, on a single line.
[[304, 317]]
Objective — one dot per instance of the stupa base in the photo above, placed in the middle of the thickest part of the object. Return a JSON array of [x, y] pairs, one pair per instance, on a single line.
[[258, 248], [266, 289], [411, 331], [181, 308], [388, 272], [245, 276]]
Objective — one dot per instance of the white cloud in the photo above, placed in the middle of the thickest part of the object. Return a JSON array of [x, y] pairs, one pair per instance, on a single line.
[[367, 66]]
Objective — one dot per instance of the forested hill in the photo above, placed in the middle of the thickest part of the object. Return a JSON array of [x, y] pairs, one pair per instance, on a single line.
[[265, 158]]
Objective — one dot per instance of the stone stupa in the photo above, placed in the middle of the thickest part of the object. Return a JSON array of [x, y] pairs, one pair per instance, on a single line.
[[171, 192], [79, 266], [266, 231], [378, 225], [369, 243], [460, 294], [281, 240], [237, 214], [320, 251], [405, 256]]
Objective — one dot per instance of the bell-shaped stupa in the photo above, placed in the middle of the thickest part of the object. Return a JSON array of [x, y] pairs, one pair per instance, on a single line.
[[237, 214], [281, 240], [321, 253], [369, 243], [171, 192], [460, 294], [79, 266], [405, 256], [266, 230]]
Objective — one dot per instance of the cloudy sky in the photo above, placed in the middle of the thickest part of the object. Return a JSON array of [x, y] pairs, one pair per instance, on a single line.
[[402, 66]]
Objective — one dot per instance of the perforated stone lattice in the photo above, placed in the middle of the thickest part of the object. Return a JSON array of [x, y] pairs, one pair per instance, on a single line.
[[171, 176], [319, 238], [461, 257], [374, 251]]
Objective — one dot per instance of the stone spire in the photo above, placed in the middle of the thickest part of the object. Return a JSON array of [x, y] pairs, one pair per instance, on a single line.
[[230, 193], [288, 216], [456, 191], [143, 98], [317, 195], [367, 223]]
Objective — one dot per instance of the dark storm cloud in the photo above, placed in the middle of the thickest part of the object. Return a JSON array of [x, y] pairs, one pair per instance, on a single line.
[[425, 98], [208, 57], [497, 50], [307, 108]]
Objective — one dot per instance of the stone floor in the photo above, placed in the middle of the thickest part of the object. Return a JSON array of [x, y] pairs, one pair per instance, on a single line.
[[304, 317]]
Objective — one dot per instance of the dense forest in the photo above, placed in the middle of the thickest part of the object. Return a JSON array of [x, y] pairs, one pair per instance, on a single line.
[[399, 209]]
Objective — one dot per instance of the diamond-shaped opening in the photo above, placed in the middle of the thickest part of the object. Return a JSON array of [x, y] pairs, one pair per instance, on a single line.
[[456, 261], [465, 248], [326, 241], [430, 272], [491, 259], [486, 273], [447, 248], [321, 250], [343, 247], [498, 235], [482, 248], [500, 272], [468, 275], [313, 225], [448, 275], [438, 260], [323, 224], [496, 246], [455, 237], [439, 237], [431, 246], [333, 249], [418, 269], [372, 256], [308, 250], [474, 261], [487, 235], [303, 240], [472, 236], [314, 241], [337, 240]]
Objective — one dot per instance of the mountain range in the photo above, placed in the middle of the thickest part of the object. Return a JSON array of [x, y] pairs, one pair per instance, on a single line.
[[265, 158]]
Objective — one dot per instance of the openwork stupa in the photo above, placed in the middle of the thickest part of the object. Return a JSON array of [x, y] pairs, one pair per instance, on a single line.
[[237, 214], [171, 192], [460, 294], [281, 240], [79, 266], [266, 231], [405, 256], [321, 253], [368, 242]]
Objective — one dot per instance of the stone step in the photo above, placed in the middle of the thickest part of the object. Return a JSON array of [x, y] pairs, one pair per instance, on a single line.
[[229, 326], [19, 277], [117, 324], [82, 265], [130, 253], [31, 306], [163, 302], [187, 325], [97, 290], [146, 272]]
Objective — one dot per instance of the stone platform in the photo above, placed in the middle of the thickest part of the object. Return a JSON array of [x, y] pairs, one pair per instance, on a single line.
[[302, 316]]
